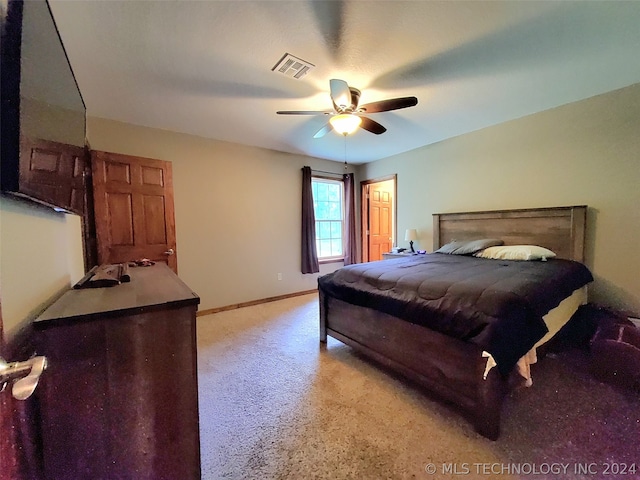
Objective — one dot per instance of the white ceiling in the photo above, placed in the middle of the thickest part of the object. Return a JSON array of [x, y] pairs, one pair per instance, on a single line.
[[204, 67]]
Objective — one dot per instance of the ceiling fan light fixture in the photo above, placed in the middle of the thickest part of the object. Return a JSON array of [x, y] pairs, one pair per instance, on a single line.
[[346, 123]]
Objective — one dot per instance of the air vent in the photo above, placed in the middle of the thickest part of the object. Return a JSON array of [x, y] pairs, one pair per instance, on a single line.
[[293, 67]]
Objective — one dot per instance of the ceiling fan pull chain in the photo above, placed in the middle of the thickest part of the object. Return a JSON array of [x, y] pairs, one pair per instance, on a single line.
[[345, 151]]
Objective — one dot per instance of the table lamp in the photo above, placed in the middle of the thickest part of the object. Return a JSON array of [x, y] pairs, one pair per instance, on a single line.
[[411, 234]]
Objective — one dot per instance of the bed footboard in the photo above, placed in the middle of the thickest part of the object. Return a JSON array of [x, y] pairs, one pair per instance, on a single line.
[[447, 367]]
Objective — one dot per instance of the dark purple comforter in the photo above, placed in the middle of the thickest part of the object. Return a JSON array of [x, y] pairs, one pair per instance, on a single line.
[[496, 304]]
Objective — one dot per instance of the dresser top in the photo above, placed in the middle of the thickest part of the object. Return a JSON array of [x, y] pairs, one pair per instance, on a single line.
[[150, 287]]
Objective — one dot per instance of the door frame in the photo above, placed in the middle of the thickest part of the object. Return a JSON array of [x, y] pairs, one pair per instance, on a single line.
[[364, 211]]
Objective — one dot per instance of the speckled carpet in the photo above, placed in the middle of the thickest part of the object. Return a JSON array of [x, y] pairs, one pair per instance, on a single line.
[[274, 404]]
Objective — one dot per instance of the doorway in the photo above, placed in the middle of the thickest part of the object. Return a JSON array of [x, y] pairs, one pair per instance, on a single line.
[[378, 200]]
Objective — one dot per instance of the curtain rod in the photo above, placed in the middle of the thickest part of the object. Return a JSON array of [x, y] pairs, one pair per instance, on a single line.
[[328, 173]]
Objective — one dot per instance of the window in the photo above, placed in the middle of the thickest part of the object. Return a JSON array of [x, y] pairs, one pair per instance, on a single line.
[[328, 206]]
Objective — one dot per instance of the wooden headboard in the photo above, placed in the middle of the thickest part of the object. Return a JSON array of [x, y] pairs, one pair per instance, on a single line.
[[560, 229]]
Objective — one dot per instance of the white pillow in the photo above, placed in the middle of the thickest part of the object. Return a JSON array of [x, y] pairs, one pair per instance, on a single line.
[[516, 252]]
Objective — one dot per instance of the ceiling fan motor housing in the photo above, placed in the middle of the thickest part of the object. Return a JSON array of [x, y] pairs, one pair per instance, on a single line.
[[355, 98]]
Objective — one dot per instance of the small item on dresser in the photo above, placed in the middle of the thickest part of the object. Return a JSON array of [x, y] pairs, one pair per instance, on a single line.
[[144, 262], [82, 283], [125, 277], [105, 276]]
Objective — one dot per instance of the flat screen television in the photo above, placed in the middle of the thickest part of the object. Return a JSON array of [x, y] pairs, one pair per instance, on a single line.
[[43, 112]]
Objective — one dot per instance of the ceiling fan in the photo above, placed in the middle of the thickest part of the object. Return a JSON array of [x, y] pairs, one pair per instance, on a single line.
[[348, 115]]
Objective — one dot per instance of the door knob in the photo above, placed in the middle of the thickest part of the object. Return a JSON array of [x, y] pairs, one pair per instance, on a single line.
[[25, 376], [170, 252]]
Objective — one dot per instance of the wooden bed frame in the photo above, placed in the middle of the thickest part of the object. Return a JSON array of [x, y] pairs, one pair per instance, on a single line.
[[450, 368]]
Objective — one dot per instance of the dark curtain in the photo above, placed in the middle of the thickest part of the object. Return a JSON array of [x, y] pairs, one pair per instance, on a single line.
[[351, 246], [309, 253]]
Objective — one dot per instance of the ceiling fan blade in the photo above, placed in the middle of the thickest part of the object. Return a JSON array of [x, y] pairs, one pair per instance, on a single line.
[[340, 94], [372, 126], [323, 131], [302, 112], [387, 105]]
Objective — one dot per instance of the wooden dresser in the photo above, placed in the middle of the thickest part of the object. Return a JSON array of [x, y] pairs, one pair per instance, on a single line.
[[120, 396]]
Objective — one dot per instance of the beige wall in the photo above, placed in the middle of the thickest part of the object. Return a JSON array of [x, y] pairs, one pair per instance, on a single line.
[[40, 256], [587, 152], [238, 211]]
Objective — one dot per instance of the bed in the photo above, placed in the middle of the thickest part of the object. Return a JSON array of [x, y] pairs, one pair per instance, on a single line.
[[385, 309]]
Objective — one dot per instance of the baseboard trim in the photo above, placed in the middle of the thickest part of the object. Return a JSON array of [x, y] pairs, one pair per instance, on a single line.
[[209, 311]]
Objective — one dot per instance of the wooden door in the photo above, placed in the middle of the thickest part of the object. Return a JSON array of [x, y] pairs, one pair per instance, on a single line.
[[53, 173], [380, 206], [20, 455], [133, 204], [8, 449]]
